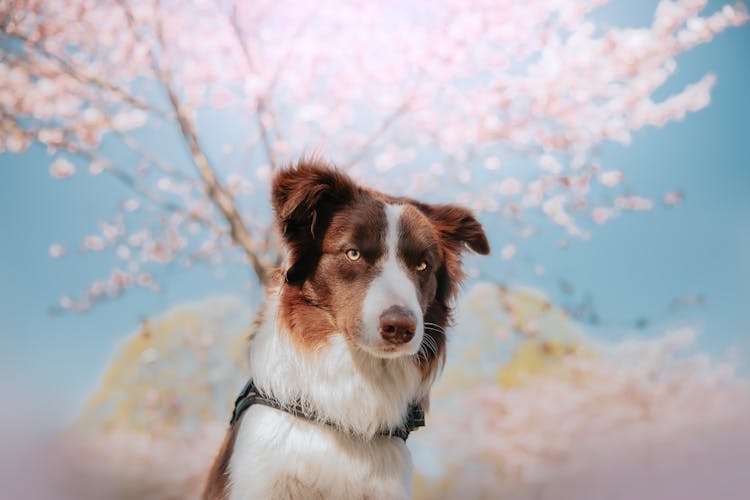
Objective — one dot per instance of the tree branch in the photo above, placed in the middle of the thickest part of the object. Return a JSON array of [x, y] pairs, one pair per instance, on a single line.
[[260, 101], [214, 190], [263, 99], [136, 147], [131, 182]]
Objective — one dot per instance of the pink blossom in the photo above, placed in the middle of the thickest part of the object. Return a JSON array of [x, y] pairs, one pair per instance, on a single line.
[[610, 178], [509, 186], [131, 204], [138, 238], [130, 119], [464, 176], [16, 142], [119, 280], [602, 214], [123, 252], [50, 136], [145, 279], [56, 250], [637, 203], [543, 81], [492, 163], [66, 302], [673, 198], [93, 243], [550, 164], [111, 231], [61, 169], [508, 252], [96, 168]]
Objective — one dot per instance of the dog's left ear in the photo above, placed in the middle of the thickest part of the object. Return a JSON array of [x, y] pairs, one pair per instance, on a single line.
[[304, 198], [458, 227]]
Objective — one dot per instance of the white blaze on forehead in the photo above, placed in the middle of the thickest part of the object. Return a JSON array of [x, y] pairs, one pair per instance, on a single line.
[[392, 217], [391, 287]]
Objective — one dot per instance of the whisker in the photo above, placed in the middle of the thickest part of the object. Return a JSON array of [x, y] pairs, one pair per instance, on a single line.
[[421, 357], [430, 344]]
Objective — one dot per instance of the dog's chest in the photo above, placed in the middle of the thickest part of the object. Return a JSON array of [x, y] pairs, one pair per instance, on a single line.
[[277, 455]]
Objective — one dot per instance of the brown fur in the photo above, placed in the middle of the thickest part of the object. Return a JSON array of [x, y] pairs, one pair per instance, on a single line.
[[218, 476], [322, 213], [304, 200]]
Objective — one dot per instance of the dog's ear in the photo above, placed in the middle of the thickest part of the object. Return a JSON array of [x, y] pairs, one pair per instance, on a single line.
[[304, 198], [458, 229]]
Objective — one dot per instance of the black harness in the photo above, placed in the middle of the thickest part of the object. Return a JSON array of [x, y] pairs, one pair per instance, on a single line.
[[250, 395]]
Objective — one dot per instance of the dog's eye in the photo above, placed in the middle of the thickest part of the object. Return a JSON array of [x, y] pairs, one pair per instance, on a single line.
[[353, 254], [422, 266]]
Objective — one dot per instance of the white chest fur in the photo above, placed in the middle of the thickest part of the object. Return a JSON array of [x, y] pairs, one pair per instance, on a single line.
[[278, 455]]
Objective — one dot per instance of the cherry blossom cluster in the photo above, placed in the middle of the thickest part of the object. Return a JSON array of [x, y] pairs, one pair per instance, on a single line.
[[592, 408], [499, 105]]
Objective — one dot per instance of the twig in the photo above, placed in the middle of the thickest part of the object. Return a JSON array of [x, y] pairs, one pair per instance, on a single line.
[[151, 158], [126, 178], [85, 78], [217, 193], [260, 104]]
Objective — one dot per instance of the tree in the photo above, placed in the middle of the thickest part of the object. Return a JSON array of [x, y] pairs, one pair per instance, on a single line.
[[428, 95]]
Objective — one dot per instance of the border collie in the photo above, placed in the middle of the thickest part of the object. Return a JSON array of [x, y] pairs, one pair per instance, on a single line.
[[348, 343]]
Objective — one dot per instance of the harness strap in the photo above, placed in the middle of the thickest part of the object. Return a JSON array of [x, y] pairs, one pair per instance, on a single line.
[[250, 395]]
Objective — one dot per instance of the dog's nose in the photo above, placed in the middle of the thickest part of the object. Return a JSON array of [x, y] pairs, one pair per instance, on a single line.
[[397, 325]]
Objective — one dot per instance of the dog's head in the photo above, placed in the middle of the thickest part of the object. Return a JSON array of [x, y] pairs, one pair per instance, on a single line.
[[380, 270]]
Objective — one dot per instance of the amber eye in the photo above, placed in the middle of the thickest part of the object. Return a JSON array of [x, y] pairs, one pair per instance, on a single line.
[[422, 266], [353, 254]]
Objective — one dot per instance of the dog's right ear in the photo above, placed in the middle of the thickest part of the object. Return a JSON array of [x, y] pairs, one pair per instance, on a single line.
[[304, 198]]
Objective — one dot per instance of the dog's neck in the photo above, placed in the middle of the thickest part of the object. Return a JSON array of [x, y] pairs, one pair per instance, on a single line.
[[342, 384]]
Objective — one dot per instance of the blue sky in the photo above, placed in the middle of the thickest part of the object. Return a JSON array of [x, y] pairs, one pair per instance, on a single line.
[[634, 266]]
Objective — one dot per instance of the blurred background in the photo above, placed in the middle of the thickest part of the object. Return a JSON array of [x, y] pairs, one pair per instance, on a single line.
[[599, 352]]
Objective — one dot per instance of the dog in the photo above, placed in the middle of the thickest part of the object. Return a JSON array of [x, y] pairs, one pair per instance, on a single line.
[[348, 343]]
